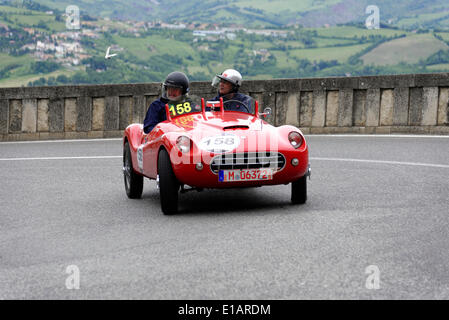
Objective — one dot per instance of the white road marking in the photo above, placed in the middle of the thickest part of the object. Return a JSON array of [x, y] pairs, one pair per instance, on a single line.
[[61, 158], [433, 165], [62, 141]]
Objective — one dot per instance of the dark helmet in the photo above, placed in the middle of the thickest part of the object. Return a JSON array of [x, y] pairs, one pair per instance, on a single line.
[[177, 80]]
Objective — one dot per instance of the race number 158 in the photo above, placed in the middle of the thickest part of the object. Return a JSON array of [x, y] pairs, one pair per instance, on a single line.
[[181, 108], [219, 141]]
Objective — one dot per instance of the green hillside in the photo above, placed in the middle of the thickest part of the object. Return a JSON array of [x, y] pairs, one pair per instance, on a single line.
[[309, 13], [148, 52], [408, 50]]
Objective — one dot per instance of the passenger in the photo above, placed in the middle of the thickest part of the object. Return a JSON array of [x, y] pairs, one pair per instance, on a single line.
[[228, 84]]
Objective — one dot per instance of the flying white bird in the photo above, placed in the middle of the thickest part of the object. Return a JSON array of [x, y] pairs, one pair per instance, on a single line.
[[109, 56]]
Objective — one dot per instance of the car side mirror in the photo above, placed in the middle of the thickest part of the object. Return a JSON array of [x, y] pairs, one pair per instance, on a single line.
[[266, 112]]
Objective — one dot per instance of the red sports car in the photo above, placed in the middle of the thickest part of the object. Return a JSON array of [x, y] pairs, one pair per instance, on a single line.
[[203, 145]]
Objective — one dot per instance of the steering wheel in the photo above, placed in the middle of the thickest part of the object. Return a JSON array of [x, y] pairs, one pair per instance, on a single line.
[[236, 101]]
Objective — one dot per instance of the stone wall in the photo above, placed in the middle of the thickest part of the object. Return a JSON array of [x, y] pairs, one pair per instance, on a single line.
[[380, 104]]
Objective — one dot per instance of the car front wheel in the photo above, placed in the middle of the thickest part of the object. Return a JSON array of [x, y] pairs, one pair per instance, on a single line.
[[299, 191], [168, 184]]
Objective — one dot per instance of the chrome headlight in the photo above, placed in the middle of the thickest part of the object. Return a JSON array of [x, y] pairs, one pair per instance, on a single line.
[[183, 144], [295, 139]]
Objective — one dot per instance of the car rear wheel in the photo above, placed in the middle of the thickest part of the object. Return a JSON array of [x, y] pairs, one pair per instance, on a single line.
[[299, 191], [168, 184], [133, 181]]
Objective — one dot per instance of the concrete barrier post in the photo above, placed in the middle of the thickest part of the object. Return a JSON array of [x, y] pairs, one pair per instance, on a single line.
[[400, 106], [29, 115], [84, 111], [15, 116], [126, 112], [281, 107], [319, 108], [372, 107], [56, 115], [70, 114], [138, 107], [98, 110], [112, 111], [42, 115], [359, 111], [430, 107], [443, 107], [386, 107], [292, 114], [345, 107], [4, 116], [416, 106], [306, 109], [332, 106]]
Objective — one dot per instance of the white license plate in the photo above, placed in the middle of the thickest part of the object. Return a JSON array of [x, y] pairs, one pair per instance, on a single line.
[[245, 175]]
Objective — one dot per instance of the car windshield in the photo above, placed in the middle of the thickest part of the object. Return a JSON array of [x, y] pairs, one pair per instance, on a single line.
[[193, 105], [246, 106]]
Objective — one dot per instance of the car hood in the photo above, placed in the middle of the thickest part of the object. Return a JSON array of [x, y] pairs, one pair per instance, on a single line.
[[216, 124]]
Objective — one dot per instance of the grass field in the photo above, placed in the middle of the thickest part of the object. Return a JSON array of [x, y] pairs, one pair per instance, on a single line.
[[282, 60], [444, 35], [410, 50], [445, 23], [6, 60], [351, 32], [341, 54], [420, 19], [326, 42], [140, 46], [439, 67], [287, 5], [23, 80], [12, 10], [30, 18]]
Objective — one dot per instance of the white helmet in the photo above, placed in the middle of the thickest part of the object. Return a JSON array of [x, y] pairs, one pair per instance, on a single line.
[[230, 75]]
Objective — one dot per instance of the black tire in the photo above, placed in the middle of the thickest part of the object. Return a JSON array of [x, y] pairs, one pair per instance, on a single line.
[[168, 184], [133, 181], [299, 191]]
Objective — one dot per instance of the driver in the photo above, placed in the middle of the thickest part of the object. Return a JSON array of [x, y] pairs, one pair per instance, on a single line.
[[175, 88], [228, 84]]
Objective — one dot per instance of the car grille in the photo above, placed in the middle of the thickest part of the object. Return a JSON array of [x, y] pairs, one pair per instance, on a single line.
[[248, 160]]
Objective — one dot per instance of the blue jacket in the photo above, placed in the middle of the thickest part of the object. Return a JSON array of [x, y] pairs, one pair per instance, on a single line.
[[156, 113], [235, 106]]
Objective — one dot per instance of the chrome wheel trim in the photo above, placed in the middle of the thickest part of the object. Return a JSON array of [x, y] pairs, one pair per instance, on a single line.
[[127, 171]]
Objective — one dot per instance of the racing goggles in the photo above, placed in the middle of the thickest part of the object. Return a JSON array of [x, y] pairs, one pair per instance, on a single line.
[[217, 79], [167, 92]]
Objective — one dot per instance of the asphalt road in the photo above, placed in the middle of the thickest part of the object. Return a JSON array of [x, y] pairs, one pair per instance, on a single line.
[[387, 213]]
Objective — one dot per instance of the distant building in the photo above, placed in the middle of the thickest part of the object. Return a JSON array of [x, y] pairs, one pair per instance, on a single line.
[[173, 26], [90, 34], [198, 33], [29, 30], [231, 36]]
